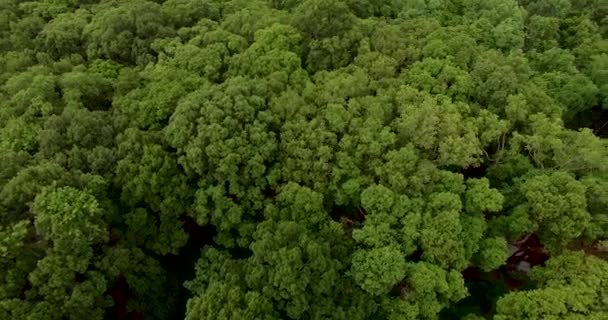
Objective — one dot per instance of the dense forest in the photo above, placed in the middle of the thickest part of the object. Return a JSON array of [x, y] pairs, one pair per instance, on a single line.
[[303, 159]]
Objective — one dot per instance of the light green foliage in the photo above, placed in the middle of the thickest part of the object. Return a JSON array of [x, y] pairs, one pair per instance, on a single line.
[[440, 77], [557, 204], [493, 253], [429, 290], [570, 286], [71, 223], [22, 188], [452, 42], [550, 146], [224, 299], [155, 102], [69, 218], [303, 159], [597, 202], [421, 8], [481, 198], [500, 21], [245, 18], [441, 231], [420, 118], [273, 56], [378, 270], [12, 239], [293, 269], [396, 226]]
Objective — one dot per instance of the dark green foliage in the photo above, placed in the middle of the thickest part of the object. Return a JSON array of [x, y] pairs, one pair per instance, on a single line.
[[123, 31], [290, 159]]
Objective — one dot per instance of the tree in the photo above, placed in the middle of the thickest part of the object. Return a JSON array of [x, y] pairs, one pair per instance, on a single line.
[[557, 203], [150, 179], [61, 283], [185, 13], [293, 271], [318, 159], [124, 32], [151, 105], [570, 286], [64, 34], [378, 270]]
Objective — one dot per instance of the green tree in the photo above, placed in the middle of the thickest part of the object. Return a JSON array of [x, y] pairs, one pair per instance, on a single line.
[[69, 222], [295, 270], [570, 286], [64, 34], [283, 159], [124, 31]]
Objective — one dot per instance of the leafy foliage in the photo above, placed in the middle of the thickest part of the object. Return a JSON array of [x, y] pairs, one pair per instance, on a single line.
[[287, 159]]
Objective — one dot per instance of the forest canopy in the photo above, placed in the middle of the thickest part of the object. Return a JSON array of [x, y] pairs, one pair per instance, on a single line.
[[303, 159]]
